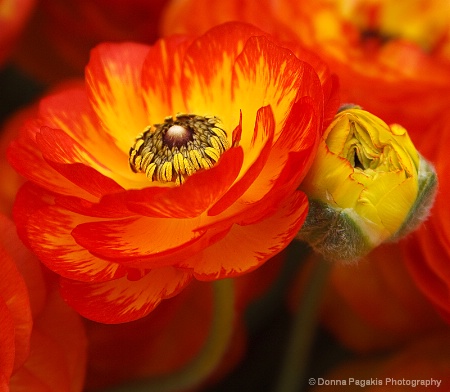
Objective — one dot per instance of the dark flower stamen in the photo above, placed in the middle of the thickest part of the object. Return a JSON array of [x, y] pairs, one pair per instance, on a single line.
[[172, 151]]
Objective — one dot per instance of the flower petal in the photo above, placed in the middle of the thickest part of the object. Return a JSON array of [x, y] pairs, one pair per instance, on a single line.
[[161, 75], [72, 160], [123, 300], [47, 230], [145, 242], [14, 295], [70, 111], [270, 75], [247, 247], [7, 352], [113, 78], [254, 157], [207, 73], [24, 155], [299, 136]]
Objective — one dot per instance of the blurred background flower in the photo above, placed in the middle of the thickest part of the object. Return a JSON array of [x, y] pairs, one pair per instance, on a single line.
[[57, 41], [43, 342], [14, 15]]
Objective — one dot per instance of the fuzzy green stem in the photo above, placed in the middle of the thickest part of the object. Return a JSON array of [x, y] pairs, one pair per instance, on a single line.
[[207, 360], [301, 338]]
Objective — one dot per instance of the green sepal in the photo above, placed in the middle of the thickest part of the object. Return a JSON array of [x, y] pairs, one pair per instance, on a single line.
[[333, 233], [428, 184]]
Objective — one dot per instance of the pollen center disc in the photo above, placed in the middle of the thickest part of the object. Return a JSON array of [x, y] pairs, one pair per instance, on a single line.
[[177, 136]]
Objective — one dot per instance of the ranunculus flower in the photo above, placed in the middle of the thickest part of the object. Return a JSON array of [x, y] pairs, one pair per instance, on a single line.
[[392, 57], [42, 340], [427, 251], [367, 184], [58, 39], [173, 161], [14, 15]]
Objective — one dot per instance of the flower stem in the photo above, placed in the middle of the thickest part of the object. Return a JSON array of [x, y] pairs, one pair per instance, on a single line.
[[294, 367], [207, 360]]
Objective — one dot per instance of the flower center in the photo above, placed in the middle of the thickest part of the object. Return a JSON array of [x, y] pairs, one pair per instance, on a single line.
[[172, 151], [369, 155]]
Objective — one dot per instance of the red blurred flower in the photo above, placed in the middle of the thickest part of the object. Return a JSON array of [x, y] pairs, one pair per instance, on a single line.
[[375, 305], [61, 34], [14, 15], [42, 344], [427, 251], [124, 238], [10, 180], [392, 57]]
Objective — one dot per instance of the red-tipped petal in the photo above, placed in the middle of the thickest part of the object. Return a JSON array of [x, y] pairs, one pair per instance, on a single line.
[[124, 300], [24, 155], [49, 234], [263, 135], [247, 247], [142, 239], [207, 73]]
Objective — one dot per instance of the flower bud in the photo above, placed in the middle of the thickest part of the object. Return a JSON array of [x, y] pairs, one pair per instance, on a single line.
[[368, 184]]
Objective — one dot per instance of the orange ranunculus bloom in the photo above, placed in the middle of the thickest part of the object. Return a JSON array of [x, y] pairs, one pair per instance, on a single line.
[[61, 33], [173, 161], [166, 342], [14, 15], [427, 251], [423, 365], [42, 340], [392, 57]]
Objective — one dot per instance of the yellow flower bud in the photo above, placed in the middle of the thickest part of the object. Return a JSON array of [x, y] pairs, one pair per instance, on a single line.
[[368, 184]]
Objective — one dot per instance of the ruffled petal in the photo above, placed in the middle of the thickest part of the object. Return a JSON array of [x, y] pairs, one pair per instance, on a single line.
[[47, 228], [71, 112], [145, 242], [300, 135], [247, 247], [124, 300], [113, 77], [24, 155], [73, 161], [255, 159]]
